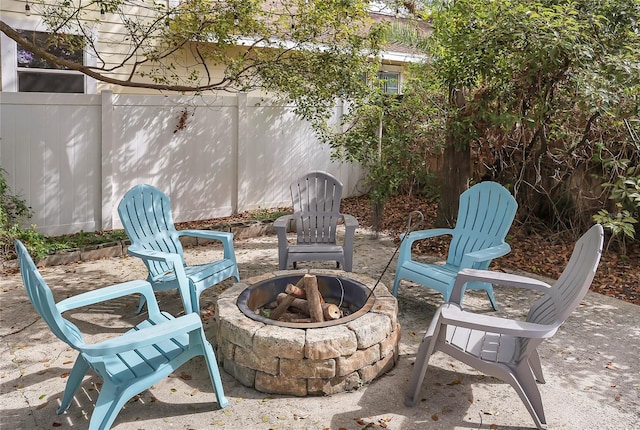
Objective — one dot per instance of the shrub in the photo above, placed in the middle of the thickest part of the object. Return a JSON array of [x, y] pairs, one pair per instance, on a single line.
[[14, 213]]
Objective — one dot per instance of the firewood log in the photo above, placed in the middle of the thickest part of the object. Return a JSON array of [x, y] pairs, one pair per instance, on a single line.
[[313, 297], [294, 291], [295, 318], [283, 305], [329, 310], [299, 293]]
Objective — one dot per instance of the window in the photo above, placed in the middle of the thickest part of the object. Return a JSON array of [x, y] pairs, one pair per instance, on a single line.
[[390, 82], [38, 75]]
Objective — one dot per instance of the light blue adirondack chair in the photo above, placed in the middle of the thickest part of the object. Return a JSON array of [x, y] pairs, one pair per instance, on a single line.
[[145, 213], [506, 348], [128, 363], [485, 214], [316, 199]]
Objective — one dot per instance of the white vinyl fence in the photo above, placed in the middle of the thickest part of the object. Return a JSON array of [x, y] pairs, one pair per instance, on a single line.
[[73, 156]]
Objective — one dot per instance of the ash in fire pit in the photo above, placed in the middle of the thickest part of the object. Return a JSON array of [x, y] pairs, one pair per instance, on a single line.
[[350, 297], [307, 358]]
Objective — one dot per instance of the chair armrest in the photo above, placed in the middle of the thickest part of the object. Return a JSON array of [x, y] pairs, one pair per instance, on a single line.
[[280, 225], [408, 239], [108, 293], [452, 314], [173, 260], [282, 222], [484, 255], [349, 221], [149, 254], [208, 234], [424, 234], [144, 337], [499, 278], [225, 237]]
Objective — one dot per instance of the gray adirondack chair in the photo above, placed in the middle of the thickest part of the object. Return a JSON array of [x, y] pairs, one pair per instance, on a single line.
[[145, 213], [128, 363], [316, 211], [505, 348], [485, 214]]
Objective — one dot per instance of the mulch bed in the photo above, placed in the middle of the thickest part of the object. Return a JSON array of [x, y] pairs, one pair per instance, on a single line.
[[531, 251]]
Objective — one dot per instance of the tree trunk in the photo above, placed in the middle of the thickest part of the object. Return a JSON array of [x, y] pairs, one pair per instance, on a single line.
[[456, 169], [455, 180], [377, 209]]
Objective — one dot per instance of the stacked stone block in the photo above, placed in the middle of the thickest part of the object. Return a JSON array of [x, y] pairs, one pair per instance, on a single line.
[[307, 361]]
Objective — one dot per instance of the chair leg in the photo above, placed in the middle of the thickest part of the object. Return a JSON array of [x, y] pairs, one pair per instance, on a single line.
[[396, 285], [214, 374], [282, 263], [348, 262], [78, 372], [536, 367], [195, 299], [522, 380], [422, 360], [143, 301], [110, 400], [492, 298]]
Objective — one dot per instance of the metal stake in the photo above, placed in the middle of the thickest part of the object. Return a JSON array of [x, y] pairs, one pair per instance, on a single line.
[[402, 237]]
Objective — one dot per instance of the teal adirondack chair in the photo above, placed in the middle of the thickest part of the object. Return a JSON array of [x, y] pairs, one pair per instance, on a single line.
[[485, 214], [145, 213], [128, 363]]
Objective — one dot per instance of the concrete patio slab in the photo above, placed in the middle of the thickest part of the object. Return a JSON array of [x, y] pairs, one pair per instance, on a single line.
[[591, 365]]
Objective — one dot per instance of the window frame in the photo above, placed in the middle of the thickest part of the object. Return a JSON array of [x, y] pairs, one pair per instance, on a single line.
[[9, 59], [398, 75]]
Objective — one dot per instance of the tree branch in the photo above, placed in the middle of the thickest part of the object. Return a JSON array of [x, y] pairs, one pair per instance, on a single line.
[[91, 72]]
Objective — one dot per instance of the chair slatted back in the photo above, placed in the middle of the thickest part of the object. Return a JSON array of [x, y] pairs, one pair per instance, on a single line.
[[145, 213], [485, 215], [574, 282], [42, 300], [316, 204]]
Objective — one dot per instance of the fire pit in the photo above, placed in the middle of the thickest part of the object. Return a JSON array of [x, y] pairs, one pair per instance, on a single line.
[[307, 358], [336, 289]]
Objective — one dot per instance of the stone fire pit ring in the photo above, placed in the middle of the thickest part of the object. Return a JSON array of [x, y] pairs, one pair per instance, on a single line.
[[307, 361]]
